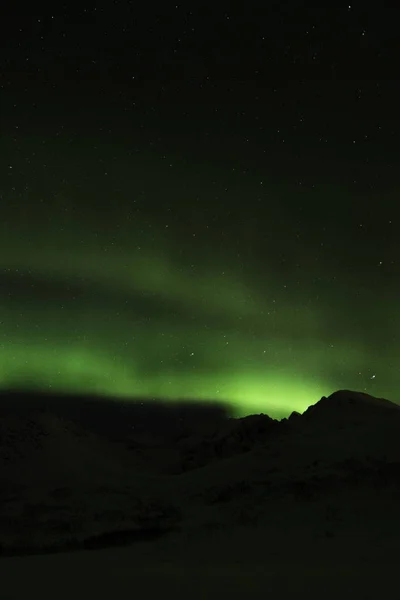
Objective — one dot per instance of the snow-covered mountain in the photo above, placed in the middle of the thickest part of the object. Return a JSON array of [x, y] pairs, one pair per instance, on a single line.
[[65, 483]]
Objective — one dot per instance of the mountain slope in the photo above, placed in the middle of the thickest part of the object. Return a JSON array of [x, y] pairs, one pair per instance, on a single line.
[[63, 484]]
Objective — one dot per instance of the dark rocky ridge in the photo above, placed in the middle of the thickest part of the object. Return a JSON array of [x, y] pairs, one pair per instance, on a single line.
[[67, 484]]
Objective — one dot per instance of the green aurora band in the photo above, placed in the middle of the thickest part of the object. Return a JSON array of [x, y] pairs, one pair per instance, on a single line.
[[101, 347], [94, 304]]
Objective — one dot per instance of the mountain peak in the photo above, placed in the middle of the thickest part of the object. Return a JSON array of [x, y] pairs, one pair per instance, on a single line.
[[348, 404]]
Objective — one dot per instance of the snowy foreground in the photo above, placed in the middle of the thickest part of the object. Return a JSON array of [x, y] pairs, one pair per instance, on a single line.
[[247, 508], [246, 564]]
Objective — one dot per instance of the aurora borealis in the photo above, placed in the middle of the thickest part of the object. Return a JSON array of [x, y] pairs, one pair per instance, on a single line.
[[162, 243]]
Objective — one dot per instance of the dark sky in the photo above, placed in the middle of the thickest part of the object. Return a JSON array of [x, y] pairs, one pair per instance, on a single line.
[[201, 201]]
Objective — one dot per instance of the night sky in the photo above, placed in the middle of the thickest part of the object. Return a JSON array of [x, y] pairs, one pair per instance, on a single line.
[[201, 202]]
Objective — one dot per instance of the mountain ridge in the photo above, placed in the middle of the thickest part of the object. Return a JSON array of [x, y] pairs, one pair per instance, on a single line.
[[64, 485]]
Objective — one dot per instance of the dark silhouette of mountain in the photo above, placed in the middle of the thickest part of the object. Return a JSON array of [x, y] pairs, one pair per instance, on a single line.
[[84, 472], [346, 406]]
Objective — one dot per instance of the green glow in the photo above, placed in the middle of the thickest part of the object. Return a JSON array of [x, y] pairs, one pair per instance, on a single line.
[[143, 321], [82, 370]]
